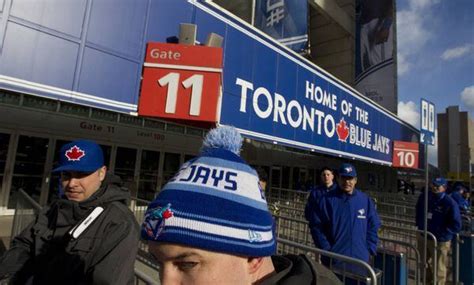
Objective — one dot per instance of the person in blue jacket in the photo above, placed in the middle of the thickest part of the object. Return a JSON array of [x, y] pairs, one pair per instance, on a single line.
[[458, 197], [327, 184], [346, 220], [444, 222]]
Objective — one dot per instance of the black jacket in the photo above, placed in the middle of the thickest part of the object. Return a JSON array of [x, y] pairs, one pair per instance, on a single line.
[[299, 270], [44, 253]]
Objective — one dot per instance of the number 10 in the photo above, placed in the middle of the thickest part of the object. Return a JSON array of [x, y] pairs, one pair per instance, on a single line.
[[195, 82], [406, 159]]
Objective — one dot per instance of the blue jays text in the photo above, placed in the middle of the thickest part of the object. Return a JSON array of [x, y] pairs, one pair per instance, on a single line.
[[202, 174]]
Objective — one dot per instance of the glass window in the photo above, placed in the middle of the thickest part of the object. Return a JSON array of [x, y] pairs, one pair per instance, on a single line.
[[194, 132], [154, 124], [74, 109], [147, 185], [130, 120], [10, 98], [188, 157], [125, 165], [39, 103], [285, 177], [4, 141], [170, 166], [104, 115], [175, 128], [29, 167], [276, 177]]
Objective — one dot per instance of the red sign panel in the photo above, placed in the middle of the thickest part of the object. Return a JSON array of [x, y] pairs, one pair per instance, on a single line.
[[181, 82], [405, 154]]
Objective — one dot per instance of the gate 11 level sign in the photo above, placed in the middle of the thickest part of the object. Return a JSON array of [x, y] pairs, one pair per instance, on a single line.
[[181, 82], [405, 154]]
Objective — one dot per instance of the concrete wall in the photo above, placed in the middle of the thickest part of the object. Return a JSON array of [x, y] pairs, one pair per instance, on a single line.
[[332, 47]]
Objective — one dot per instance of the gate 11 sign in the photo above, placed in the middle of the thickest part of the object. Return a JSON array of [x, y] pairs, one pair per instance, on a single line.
[[181, 82], [427, 129], [405, 154]]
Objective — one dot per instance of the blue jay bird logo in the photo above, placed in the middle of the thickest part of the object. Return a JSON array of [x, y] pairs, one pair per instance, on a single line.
[[155, 220]]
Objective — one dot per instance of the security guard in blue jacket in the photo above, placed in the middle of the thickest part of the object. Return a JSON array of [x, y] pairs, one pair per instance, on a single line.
[[327, 184], [444, 222], [347, 221], [458, 196]]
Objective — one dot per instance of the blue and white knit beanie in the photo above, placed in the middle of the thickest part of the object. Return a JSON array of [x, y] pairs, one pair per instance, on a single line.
[[214, 203]]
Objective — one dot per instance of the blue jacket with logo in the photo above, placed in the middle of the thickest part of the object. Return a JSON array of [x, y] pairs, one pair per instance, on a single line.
[[444, 218], [459, 199], [312, 204], [347, 224]]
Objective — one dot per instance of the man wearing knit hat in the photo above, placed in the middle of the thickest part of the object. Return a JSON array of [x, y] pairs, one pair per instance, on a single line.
[[210, 224], [88, 237]]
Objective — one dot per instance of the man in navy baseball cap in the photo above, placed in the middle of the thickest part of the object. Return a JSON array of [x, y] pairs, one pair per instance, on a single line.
[[81, 164], [347, 220]]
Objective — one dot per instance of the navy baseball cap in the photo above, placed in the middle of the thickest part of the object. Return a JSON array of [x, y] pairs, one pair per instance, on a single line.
[[347, 170], [439, 181], [80, 156]]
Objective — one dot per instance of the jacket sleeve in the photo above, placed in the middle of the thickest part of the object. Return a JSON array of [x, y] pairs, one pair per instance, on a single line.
[[455, 221], [420, 205], [308, 208], [373, 225], [19, 254], [320, 225], [114, 263]]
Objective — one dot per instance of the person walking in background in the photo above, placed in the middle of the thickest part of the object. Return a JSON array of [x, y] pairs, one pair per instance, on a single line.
[[87, 237], [346, 221], [458, 195], [327, 184], [210, 224], [262, 178], [444, 222]]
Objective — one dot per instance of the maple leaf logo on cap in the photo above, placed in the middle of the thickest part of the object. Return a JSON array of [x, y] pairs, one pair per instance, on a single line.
[[342, 130], [75, 153]]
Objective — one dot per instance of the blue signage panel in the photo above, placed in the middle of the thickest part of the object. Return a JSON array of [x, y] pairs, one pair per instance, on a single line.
[[274, 95], [75, 51], [427, 125], [268, 92], [284, 20]]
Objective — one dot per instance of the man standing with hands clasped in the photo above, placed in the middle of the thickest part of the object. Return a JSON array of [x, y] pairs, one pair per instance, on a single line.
[[327, 184], [346, 220]]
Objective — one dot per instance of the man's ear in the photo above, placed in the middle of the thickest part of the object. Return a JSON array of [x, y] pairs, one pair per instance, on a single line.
[[254, 264], [102, 173]]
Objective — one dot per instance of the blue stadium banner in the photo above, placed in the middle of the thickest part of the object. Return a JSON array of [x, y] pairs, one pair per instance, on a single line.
[[285, 21], [376, 74]]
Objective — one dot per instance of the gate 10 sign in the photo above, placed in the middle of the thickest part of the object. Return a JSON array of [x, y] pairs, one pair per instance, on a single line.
[[181, 82], [405, 154]]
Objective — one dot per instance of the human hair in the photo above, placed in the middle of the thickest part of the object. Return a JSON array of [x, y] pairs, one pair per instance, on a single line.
[[326, 168], [262, 174]]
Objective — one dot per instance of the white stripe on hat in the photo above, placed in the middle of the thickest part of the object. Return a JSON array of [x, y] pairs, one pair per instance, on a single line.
[[219, 230], [246, 184]]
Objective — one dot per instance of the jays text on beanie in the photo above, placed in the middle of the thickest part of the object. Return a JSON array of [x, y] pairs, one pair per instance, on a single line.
[[214, 203]]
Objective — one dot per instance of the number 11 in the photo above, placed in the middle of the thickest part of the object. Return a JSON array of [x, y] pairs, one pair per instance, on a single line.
[[195, 82]]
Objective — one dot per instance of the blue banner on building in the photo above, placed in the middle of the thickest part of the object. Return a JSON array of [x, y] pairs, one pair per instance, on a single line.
[[285, 21], [376, 74], [271, 94], [268, 92]]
